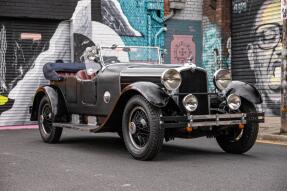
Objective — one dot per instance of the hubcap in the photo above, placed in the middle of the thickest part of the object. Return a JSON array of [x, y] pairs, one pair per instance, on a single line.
[[139, 130], [133, 128]]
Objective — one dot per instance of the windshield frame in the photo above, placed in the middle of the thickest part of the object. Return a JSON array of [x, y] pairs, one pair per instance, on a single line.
[[104, 65]]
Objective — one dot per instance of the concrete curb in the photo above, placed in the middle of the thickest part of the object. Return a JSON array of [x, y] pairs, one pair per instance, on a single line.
[[272, 137], [2, 128]]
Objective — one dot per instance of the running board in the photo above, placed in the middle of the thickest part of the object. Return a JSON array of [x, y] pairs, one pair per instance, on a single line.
[[79, 127]]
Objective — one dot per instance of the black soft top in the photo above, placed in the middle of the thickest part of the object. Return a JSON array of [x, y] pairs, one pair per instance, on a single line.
[[50, 69]]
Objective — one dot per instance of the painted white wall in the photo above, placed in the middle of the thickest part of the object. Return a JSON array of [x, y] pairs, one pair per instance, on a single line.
[[192, 11]]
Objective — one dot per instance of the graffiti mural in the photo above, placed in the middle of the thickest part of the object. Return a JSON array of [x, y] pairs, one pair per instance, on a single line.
[[214, 57], [211, 51], [33, 48], [5, 102], [28, 79], [146, 17], [183, 40], [88, 33], [216, 20], [262, 42], [114, 17], [20, 47]]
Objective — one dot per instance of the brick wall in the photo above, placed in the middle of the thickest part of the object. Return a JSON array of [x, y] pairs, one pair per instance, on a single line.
[[220, 15], [192, 11], [216, 36]]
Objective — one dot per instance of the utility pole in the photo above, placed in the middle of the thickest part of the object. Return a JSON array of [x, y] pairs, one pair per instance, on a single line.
[[284, 69]]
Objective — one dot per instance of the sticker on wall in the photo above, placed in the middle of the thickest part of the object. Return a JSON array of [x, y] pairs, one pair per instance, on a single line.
[[182, 48], [239, 6], [31, 36], [284, 9]]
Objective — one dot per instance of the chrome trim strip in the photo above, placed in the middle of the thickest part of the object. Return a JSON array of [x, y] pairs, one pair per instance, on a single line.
[[217, 123]]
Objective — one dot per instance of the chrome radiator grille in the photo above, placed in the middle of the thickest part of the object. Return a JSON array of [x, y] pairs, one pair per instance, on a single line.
[[196, 84]]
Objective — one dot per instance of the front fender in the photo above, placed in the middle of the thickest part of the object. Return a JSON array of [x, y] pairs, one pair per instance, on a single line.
[[244, 90], [56, 100], [152, 92]]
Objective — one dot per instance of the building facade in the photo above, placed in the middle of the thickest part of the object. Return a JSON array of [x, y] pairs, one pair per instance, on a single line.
[[241, 35]]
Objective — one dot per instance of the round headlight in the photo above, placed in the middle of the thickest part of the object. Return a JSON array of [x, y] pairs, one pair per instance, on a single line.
[[190, 103], [221, 79], [171, 79], [234, 102]]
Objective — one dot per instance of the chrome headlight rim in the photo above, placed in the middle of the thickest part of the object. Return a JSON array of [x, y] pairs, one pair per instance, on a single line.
[[234, 102], [217, 79], [190, 103], [165, 77]]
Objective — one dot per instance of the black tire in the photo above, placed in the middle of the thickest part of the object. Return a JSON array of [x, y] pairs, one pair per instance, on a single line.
[[246, 137], [48, 132], [142, 133]]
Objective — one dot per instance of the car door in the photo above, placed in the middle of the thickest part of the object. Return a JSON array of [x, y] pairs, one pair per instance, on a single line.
[[87, 91]]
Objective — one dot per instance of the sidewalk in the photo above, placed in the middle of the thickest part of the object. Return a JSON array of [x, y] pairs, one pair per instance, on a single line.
[[270, 131]]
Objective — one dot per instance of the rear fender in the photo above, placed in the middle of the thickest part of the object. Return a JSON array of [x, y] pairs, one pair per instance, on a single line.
[[244, 90], [56, 99]]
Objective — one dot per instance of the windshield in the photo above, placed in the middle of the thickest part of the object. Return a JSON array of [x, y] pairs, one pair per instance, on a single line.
[[114, 55]]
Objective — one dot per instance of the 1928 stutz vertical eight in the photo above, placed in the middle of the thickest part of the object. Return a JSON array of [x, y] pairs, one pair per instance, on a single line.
[[128, 91]]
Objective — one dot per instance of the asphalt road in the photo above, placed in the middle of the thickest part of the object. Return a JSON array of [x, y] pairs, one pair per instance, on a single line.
[[100, 162]]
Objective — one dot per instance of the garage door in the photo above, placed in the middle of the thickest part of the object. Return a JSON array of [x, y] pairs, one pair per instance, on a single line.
[[256, 48], [25, 46]]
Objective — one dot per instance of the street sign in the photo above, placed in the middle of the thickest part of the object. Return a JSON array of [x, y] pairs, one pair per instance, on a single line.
[[284, 9]]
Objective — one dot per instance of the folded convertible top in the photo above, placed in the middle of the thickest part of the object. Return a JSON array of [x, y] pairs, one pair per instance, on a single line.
[[50, 70]]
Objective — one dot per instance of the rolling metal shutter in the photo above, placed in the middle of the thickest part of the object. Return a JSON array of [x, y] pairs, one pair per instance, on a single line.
[[256, 48], [25, 46]]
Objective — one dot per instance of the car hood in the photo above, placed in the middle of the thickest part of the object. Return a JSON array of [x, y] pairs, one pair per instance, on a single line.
[[144, 69], [130, 73]]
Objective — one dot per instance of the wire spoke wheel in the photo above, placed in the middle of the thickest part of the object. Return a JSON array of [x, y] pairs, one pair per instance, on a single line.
[[139, 130], [46, 119], [48, 132]]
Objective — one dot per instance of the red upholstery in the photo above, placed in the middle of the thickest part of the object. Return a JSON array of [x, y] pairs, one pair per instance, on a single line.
[[82, 74], [65, 74]]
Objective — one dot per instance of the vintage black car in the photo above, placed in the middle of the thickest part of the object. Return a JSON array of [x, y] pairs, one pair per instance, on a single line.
[[128, 91]]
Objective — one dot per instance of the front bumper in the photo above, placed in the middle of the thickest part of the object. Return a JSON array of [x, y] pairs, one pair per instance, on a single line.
[[210, 120]]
